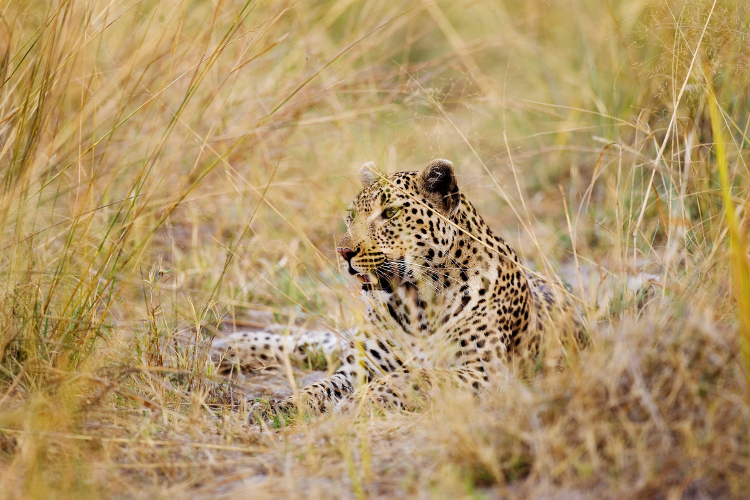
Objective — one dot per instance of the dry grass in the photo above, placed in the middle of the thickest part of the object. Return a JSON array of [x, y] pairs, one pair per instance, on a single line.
[[169, 167]]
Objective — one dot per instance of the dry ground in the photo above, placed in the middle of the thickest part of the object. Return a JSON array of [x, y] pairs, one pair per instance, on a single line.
[[173, 169]]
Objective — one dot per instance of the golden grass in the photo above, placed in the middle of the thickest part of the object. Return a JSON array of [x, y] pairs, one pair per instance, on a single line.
[[169, 167]]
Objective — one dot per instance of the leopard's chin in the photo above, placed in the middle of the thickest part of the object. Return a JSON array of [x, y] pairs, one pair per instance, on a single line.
[[367, 278], [369, 281], [372, 282]]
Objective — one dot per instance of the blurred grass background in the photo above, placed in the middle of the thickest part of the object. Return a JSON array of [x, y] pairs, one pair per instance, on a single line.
[[169, 166]]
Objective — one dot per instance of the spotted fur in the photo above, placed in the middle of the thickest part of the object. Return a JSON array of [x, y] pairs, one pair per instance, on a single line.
[[267, 347], [444, 294]]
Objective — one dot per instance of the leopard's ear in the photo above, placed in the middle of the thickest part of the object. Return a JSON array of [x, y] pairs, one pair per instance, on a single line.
[[368, 173], [439, 182]]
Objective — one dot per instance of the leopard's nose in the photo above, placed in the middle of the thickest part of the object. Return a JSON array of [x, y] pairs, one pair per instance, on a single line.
[[346, 253]]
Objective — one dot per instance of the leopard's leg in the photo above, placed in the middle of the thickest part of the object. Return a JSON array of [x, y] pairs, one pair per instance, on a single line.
[[319, 396], [406, 389], [399, 390], [364, 360]]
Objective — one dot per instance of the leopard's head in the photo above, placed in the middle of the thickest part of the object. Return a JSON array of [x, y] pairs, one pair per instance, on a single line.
[[398, 226]]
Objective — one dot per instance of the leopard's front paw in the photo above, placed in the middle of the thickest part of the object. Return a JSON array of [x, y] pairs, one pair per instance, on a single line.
[[347, 404], [261, 411], [274, 413]]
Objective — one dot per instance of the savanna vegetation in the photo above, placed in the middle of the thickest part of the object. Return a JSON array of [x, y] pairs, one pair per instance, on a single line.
[[174, 169]]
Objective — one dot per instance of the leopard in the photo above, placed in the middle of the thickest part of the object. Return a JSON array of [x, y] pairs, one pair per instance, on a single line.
[[442, 293]]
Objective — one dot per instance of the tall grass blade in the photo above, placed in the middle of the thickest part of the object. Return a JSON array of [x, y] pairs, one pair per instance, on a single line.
[[738, 249]]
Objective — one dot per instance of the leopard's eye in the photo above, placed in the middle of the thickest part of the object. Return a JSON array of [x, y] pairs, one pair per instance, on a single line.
[[390, 212], [352, 214]]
